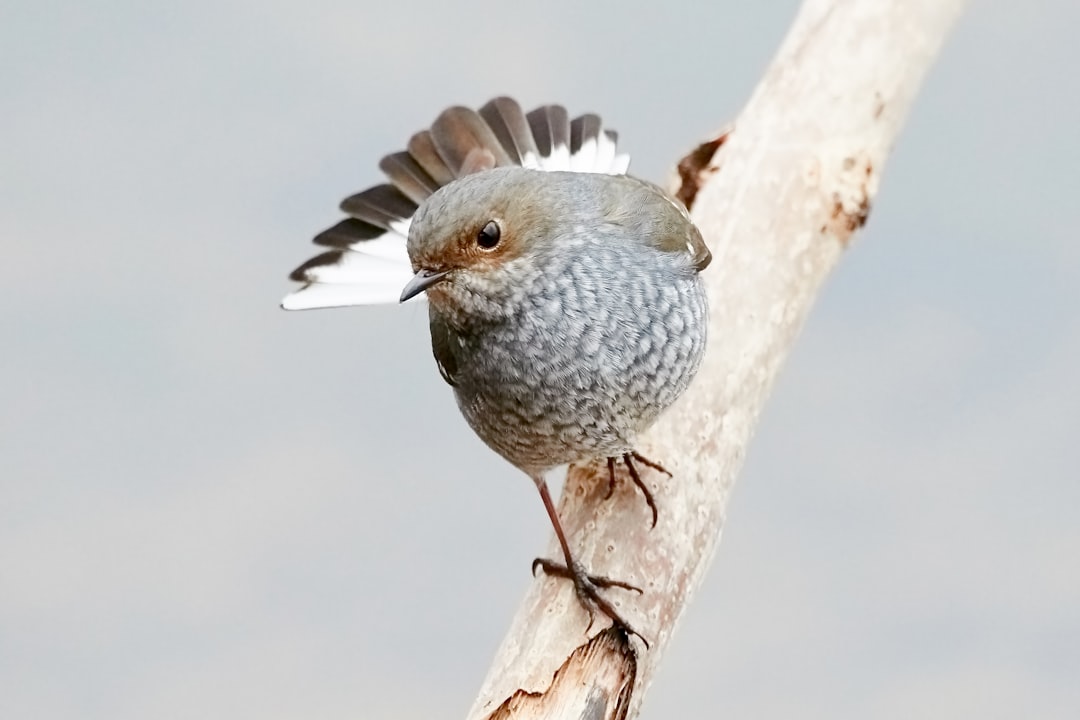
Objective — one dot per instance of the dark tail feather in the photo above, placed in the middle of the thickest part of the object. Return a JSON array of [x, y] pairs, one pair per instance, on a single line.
[[507, 120], [459, 131]]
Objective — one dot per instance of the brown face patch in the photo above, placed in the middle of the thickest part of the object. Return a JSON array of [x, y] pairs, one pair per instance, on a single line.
[[469, 249], [456, 231]]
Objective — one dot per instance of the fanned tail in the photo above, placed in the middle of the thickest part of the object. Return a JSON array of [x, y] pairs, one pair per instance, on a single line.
[[366, 262]]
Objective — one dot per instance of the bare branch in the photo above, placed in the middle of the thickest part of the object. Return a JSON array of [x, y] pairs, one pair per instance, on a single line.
[[778, 198]]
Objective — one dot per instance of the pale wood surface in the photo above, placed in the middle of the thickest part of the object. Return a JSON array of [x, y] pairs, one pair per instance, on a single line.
[[779, 200]]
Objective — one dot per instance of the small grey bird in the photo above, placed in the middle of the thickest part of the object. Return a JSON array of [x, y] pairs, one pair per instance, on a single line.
[[565, 300]]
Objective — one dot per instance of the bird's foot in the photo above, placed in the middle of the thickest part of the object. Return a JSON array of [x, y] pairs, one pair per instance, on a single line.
[[587, 587], [629, 459]]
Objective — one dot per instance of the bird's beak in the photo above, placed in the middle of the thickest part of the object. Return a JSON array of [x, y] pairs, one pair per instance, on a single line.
[[421, 282]]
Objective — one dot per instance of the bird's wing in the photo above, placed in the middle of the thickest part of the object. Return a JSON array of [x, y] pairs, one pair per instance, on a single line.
[[655, 218], [366, 262]]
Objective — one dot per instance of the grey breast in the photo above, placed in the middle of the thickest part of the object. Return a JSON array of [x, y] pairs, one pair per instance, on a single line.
[[605, 340]]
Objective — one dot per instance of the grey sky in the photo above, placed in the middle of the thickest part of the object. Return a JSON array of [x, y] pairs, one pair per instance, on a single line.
[[211, 508]]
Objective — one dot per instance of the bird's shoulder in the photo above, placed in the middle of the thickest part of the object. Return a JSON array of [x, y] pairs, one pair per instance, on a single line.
[[654, 217]]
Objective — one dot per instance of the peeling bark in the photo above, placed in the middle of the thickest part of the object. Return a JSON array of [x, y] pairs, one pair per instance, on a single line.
[[593, 684], [697, 167]]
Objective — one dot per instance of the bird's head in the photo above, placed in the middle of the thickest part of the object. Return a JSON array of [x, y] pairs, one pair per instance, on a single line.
[[475, 244]]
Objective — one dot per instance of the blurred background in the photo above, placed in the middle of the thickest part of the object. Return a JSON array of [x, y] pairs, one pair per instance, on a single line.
[[211, 508]]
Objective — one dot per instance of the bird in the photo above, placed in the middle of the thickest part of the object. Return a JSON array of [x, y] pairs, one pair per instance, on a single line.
[[565, 300]]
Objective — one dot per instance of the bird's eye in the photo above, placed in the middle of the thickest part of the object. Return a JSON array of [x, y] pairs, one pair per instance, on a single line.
[[489, 235]]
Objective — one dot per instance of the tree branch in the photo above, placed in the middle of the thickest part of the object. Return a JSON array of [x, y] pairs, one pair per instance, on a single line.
[[778, 199]]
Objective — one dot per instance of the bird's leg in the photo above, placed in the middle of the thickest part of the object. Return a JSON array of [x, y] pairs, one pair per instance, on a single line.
[[586, 586], [628, 460]]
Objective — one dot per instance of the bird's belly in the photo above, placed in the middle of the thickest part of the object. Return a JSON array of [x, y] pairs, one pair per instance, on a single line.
[[537, 428], [544, 394]]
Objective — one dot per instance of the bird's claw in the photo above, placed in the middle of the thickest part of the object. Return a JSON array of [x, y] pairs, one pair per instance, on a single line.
[[587, 588], [628, 460]]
